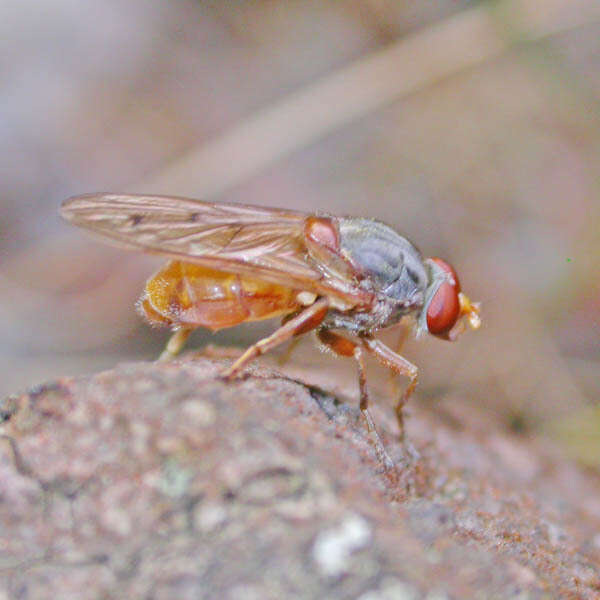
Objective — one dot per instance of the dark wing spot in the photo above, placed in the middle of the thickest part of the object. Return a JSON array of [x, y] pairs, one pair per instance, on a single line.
[[193, 217], [136, 219], [233, 236]]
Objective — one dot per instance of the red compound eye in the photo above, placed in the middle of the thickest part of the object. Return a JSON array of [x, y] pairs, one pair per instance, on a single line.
[[444, 308]]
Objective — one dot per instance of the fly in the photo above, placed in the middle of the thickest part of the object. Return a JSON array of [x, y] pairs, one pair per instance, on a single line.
[[235, 263]]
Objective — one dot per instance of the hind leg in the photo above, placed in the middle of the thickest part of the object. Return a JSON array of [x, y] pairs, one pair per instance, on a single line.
[[175, 344], [310, 318]]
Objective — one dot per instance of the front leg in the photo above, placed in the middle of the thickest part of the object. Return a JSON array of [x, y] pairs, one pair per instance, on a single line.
[[399, 365]]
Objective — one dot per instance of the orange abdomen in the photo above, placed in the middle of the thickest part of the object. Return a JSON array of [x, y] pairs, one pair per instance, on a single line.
[[189, 295]]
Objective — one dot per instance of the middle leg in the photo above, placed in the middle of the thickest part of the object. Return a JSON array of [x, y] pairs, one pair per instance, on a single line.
[[400, 366], [345, 347]]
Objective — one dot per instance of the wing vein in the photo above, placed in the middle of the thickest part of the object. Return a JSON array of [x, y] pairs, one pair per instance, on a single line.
[[254, 241]]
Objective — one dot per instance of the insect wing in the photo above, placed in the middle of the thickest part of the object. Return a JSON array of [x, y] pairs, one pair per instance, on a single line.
[[261, 242]]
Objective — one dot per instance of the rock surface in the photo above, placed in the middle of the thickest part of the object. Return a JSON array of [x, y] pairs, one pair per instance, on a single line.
[[162, 481]]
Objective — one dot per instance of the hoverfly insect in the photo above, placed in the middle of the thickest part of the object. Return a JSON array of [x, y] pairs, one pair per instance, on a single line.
[[234, 263]]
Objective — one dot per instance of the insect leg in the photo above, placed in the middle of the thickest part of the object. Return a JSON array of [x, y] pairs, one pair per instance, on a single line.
[[285, 356], [288, 352], [175, 344], [345, 347], [397, 348], [398, 365], [308, 319]]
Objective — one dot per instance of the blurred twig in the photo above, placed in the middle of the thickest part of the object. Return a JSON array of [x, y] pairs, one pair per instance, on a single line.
[[411, 64]]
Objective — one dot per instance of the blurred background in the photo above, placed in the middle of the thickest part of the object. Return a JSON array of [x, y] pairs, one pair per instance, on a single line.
[[471, 127]]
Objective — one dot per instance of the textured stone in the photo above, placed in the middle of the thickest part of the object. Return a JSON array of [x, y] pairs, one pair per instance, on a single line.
[[163, 481]]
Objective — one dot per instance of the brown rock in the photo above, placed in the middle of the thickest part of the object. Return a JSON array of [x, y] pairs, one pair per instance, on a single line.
[[162, 481]]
